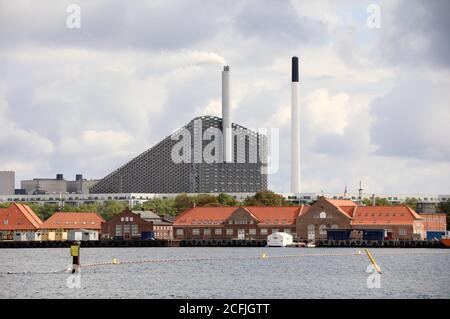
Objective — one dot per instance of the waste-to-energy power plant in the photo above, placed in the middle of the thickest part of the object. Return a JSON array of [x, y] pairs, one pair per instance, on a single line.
[[241, 152]]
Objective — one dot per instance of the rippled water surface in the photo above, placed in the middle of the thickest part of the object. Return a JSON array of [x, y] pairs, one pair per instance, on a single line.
[[407, 273]]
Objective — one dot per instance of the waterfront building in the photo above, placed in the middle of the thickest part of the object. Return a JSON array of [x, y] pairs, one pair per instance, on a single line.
[[235, 222], [399, 222], [57, 227], [162, 226], [303, 222], [434, 223], [18, 221], [126, 226]]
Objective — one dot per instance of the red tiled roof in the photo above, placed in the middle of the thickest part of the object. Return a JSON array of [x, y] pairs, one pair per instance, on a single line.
[[384, 215], [67, 220], [348, 210], [217, 215], [341, 202], [19, 217]]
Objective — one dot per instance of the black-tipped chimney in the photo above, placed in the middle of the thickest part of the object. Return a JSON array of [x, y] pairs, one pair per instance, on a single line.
[[294, 69]]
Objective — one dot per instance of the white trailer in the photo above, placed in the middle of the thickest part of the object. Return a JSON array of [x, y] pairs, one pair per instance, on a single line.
[[280, 240]]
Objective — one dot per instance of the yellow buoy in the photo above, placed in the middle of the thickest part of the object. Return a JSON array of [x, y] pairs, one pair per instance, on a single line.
[[263, 256], [359, 252], [372, 260], [114, 261]]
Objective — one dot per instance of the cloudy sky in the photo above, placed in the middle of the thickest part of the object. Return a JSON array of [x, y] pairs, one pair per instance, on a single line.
[[374, 101]]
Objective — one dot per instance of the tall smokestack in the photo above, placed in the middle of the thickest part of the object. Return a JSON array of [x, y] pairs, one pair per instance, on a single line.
[[226, 118], [295, 129]]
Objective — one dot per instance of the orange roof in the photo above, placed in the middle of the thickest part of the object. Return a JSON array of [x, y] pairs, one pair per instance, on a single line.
[[19, 217], [216, 215], [384, 215], [341, 202], [348, 210], [67, 220]]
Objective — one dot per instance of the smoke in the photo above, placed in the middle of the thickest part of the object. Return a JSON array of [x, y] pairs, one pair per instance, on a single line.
[[186, 58]]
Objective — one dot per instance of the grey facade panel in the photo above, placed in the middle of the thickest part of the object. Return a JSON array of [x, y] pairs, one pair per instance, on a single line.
[[154, 171]]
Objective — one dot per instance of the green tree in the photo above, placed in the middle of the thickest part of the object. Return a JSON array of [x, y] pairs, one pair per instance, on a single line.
[[265, 198], [205, 200], [112, 208], [378, 202], [411, 203], [159, 206], [183, 202], [444, 208], [227, 200]]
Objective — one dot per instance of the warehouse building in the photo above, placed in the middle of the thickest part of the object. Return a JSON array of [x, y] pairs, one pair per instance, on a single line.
[[248, 222], [61, 224], [19, 222]]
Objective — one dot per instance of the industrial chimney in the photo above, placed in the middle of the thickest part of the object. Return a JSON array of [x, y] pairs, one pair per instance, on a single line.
[[226, 118], [295, 129]]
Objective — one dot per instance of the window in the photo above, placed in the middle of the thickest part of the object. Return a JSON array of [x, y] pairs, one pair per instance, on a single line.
[[127, 219], [283, 221], [196, 232], [275, 230], [275, 221], [5, 222], [230, 231], [134, 230], [323, 215], [334, 226], [230, 222], [263, 231], [83, 222], [199, 221], [118, 230], [287, 230], [131, 219], [218, 231], [92, 223], [180, 231], [206, 231], [402, 231], [323, 229], [252, 231]]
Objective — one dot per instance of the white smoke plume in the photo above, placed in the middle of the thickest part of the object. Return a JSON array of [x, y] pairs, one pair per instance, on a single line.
[[185, 58]]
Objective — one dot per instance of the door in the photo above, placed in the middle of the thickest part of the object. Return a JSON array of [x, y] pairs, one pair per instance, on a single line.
[[241, 234], [311, 232]]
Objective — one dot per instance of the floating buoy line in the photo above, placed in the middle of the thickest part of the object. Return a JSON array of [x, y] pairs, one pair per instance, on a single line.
[[263, 256]]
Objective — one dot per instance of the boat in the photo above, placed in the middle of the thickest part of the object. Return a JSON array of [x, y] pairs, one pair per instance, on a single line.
[[311, 244], [446, 242]]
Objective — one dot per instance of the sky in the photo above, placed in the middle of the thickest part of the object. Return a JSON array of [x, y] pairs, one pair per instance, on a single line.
[[374, 101]]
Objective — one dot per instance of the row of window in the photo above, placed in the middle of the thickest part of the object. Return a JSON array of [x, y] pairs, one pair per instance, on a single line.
[[228, 231]]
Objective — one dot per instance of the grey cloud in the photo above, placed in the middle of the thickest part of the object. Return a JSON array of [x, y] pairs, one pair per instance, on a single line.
[[412, 120], [415, 33]]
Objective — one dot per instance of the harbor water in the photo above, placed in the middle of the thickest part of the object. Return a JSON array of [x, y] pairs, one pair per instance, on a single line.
[[226, 273]]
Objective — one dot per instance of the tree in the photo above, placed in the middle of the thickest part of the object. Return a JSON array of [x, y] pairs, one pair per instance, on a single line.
[[265, 198], [378, 202], [159, 206], [444, 208], [112, 208], [227, 200], [205, 200], [183, 202], [411, 203]]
